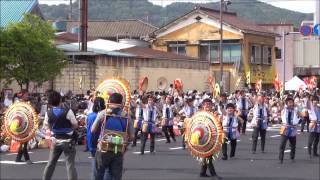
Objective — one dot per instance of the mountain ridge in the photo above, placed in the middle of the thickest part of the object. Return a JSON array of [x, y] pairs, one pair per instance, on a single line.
[[253, 10]]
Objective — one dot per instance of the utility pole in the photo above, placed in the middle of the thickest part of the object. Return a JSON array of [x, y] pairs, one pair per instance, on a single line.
[[70, 13], [84, 24], [221, 47]]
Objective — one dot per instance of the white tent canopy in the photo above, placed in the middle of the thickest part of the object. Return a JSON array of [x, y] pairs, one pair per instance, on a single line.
[[294, 84]]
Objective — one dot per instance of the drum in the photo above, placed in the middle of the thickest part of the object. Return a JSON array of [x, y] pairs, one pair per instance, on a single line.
[[145, 127], [136, 124], [163, 122]]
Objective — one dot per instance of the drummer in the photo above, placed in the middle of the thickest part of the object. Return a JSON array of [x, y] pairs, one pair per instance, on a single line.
[[138, 120], [149, 125], [187, 111]]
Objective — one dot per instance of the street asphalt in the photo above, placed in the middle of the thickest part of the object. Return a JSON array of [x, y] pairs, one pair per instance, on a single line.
[[171, 162]]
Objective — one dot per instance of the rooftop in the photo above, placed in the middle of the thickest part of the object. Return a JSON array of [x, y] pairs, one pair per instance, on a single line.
[[131, 28], [12, 11], [229, 18]]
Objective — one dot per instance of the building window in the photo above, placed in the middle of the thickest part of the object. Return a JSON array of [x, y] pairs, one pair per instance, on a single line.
[[210, 50], [177, 47], [267, 55], [256, 54], [278, 53]]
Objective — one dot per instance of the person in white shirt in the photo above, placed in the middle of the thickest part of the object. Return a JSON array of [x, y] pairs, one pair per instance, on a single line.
[[138, 120], [243, 106], [149, 125], [230, 125], [187, 111], [8, 100], [288, 130], [167, 119], [259, 123]]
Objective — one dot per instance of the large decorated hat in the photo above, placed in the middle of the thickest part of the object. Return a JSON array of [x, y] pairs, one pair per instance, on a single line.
[[204, 135], [21, 122], [114, 85]]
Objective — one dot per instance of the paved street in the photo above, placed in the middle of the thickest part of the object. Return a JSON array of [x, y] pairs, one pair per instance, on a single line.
[[171, 162]]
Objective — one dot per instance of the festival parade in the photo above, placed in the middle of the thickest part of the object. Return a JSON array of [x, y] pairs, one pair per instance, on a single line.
[[160, 89]]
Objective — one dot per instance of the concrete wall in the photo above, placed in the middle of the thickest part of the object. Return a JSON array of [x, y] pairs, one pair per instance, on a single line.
[[307, 52], [193, 74], [75, 77]]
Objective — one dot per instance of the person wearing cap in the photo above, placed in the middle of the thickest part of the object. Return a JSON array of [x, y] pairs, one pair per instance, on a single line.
[[288, 129], [167, 120], [138, 120], [149, 125], [243, 106], [207, 105], [230, 125], [115, 134], [313, 139], [259, 123]]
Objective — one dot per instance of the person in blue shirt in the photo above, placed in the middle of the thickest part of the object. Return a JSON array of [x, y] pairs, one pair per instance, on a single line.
[[62, 122], [114, 137], [92, 138]]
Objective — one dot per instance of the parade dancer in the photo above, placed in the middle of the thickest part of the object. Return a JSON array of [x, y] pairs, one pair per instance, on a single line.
[[138, 121], [92, 138], [207, 162], [62, 123], [243, 107], [167, 120], [114, 137], [23, 148], [305, 120], [188, 110], [230, 124], [314, 134], [149, 125], [259, 124], [288, 130]]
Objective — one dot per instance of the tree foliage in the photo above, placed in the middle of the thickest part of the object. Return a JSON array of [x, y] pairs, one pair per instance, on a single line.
[[253, 10], [28, 53]]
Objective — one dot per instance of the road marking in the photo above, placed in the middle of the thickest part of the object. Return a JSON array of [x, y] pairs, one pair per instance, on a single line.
[[9, 154], [287, 151], [138, 152], [278, 135], [21, 163], [238, 140], [306, 147], [176, 148], [158, 140]]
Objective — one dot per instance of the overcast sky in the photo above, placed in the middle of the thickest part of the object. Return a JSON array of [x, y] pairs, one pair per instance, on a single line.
[[307, 6]]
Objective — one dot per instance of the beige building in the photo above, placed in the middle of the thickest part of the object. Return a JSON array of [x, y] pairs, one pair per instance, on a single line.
[[248, 49]]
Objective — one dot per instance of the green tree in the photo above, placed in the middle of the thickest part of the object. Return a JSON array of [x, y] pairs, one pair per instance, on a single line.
[[28, 53]]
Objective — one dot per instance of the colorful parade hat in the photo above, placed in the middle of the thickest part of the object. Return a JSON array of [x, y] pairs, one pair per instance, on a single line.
[[21, 122], [204, 135], [115, 85]]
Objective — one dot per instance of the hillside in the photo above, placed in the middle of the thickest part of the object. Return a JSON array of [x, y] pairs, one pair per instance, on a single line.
[[142, 9]]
